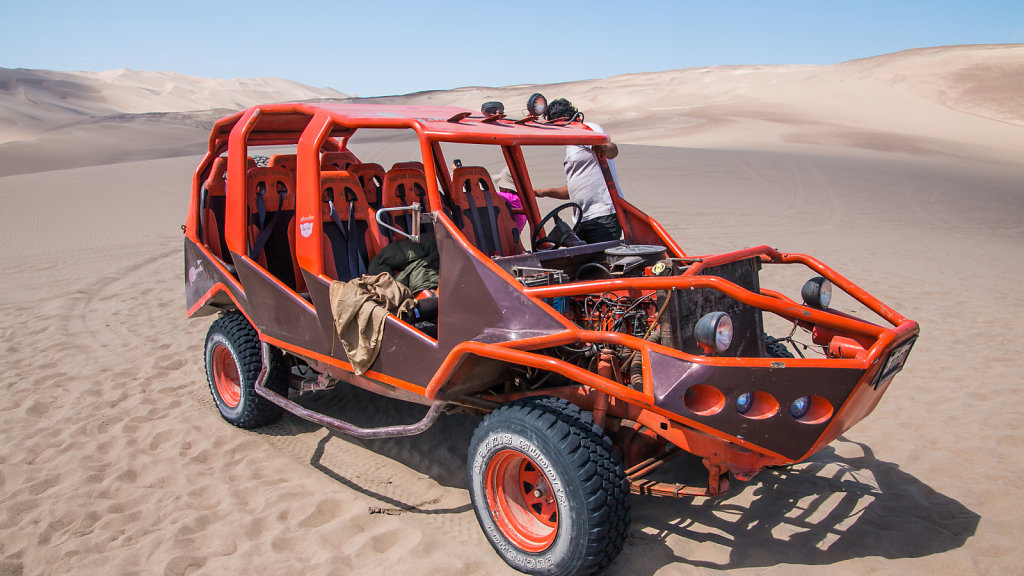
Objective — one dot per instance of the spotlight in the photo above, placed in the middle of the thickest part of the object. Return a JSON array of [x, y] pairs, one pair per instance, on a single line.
[[492, 108], [817, 292], [536, 105], [714, 332]]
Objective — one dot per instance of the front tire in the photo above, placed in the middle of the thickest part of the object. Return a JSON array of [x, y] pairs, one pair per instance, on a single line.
[[548, 491], [775, 348], [233, 363]]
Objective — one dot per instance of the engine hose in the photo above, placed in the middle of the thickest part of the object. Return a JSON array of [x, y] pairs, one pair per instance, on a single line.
[[636, 365]]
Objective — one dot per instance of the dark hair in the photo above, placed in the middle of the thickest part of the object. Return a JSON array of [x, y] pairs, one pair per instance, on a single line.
[[560, 108]]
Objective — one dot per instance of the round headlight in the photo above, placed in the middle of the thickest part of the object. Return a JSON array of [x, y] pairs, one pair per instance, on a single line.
[[714, 332], [798, 409], [817, 292], [537, 105], [744, 402], [492, 108]]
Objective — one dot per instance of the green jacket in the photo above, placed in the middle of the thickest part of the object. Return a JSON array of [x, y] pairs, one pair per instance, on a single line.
[[414, 264]]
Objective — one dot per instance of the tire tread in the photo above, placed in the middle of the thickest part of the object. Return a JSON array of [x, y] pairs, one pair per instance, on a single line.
[[598, 469], [242, 337]]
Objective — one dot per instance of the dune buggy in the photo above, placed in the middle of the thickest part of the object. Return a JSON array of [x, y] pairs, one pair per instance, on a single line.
[[591, 364]]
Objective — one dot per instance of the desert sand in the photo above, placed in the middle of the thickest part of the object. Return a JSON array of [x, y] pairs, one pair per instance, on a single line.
[[904, 172]]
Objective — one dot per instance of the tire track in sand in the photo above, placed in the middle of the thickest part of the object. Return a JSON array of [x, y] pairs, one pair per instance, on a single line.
[[125, 315]]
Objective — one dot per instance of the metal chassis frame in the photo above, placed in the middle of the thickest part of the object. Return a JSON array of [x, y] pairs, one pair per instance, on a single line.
[[233, 133]]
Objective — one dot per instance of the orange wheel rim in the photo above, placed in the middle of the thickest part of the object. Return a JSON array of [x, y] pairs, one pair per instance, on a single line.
[[225, 376], [521, 501]]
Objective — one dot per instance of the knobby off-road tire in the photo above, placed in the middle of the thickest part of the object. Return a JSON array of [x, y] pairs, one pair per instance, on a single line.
[[776, 349], [233, 363], [547, 488]]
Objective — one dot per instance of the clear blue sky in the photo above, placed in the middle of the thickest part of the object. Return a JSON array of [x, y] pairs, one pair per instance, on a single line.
[[372, 48]]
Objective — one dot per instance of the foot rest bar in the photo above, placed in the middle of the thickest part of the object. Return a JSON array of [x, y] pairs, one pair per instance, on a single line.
[[340, 425]]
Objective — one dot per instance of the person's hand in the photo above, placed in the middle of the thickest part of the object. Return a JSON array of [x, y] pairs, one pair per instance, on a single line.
[[561, 193]]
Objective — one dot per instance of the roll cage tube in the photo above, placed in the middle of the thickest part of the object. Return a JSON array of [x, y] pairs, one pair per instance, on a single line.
[[319, 131]]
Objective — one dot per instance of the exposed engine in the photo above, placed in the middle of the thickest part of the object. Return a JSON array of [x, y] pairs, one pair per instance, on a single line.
[[680, 319]]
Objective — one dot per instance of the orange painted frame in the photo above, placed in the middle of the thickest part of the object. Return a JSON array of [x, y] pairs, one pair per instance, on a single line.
[[314, 135]]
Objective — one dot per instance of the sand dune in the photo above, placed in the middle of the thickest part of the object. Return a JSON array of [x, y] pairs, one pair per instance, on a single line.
[[984, 80], [898, 170], [948, 101], [36, 101], [956, 100], [60, 120]]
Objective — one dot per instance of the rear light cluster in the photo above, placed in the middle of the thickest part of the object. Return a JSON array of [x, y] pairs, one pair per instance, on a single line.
[[707, 400]]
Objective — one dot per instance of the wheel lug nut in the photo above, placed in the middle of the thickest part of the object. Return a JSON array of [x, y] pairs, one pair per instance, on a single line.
[[537, 493]]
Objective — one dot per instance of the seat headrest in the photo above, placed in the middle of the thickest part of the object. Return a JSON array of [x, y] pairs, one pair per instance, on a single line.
[[339, 160], [269, 174], [283, 161], [344, 186], [412, 164], [473, 174], [215, 181]]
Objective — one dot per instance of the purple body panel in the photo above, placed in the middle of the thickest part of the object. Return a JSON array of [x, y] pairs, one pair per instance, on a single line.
[[780, 433], [201, 274], [476, 303]]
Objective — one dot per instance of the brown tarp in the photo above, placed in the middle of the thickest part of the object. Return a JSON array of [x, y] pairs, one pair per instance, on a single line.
[[360, 307]]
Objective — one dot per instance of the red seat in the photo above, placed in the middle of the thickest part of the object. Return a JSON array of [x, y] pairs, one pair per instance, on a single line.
[[270, 198], [349, 240], [337, 161], [371, 176], [486, 221], [286, 161], [213, 204], [411, 164], [403, 187]]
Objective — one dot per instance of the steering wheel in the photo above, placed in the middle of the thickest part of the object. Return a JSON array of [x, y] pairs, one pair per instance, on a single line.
[[578, 216]]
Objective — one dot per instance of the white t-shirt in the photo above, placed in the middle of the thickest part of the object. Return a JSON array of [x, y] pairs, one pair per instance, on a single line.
[[585, 180]]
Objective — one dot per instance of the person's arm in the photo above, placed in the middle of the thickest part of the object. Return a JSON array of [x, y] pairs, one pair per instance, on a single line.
[[560, 193], [610, 150]]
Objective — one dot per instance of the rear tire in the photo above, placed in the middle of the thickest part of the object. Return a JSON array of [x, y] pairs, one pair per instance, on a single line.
[[233, 363], [548, 490]]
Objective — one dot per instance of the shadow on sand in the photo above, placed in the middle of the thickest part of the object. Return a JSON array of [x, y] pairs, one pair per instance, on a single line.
[[842, 503], [439, 452], [825, 510]]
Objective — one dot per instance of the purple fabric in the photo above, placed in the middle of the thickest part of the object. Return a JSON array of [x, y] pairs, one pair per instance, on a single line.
[[513, 200]]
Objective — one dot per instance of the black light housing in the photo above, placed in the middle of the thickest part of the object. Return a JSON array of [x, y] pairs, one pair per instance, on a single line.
[[536, 105], [817, 292], [714, 332], [492, 108]]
